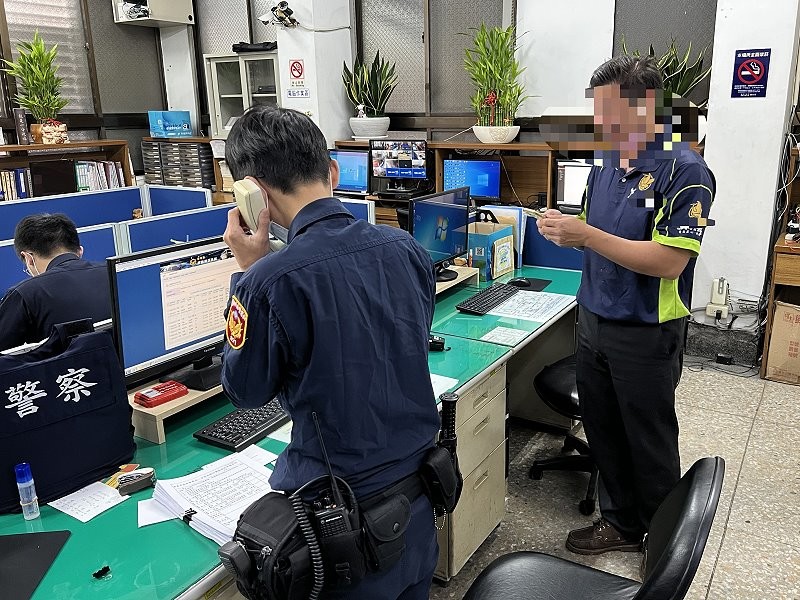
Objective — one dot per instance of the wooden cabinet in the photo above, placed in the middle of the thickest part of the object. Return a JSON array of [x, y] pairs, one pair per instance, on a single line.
[[481, 431]]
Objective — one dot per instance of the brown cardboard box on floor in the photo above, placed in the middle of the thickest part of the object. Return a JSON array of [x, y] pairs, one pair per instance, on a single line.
[[783, 361]]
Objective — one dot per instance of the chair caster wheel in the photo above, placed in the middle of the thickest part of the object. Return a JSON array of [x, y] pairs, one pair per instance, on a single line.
[[586, 507], [535, 473]]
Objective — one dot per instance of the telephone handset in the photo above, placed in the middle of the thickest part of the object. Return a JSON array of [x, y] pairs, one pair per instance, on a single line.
[[250, 201]]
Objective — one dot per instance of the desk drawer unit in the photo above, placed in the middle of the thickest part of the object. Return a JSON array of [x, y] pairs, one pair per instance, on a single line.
[[479, 511], [787, 269], [480, 395], [482, 433]]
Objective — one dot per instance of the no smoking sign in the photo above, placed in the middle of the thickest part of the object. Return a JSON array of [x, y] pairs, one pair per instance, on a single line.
[[750, 71], [297, 72]]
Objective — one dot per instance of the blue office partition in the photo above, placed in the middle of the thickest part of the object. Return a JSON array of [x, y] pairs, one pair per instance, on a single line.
[[98, 241], [164, 199], [164, 230], [84, 208], [361, 209], [540, 252]]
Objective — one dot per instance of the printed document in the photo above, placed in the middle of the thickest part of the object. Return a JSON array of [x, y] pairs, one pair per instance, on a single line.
[[533, 306]]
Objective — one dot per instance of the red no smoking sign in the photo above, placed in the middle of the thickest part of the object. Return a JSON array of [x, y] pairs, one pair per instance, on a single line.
[[751, 71], [296, 68]]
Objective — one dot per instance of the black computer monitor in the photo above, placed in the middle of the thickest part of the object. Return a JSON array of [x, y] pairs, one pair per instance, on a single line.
[[440, 223], [405, 162], [481, 176], [353, 171], [169, 311]]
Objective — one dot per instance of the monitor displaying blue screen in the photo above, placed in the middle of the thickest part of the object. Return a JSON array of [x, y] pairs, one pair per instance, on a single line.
[[481, 176], [399, 159], [156, 232], [361, 209], [166, 200], [84, 208], [98, 244], [440, 223], [170, 304], [353, 170]]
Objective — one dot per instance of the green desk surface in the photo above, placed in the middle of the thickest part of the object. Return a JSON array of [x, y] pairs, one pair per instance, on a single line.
[[447, 321], [161, 561]]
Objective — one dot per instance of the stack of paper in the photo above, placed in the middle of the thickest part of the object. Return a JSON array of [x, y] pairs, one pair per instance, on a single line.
[[212, 499]]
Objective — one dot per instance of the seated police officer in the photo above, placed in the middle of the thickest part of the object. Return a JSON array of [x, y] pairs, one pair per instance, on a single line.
[[63, 287], [336, 323]]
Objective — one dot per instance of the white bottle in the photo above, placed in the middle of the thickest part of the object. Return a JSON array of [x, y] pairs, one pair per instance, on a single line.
[[27, 492]]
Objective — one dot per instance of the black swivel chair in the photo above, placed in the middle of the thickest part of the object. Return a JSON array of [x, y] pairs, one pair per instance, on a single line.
[[556, 386], [678, 535]]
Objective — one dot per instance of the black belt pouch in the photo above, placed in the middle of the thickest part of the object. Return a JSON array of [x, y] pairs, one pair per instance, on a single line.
[[385, 526]]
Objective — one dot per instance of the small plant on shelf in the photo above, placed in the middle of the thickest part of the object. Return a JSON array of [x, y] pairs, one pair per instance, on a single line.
[[369, 88], [39, 85]]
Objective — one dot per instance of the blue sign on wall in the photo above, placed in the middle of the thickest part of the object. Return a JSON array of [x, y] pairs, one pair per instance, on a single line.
[[750, 71]]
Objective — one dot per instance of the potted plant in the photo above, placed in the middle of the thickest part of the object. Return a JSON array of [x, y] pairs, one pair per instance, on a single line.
[[39, 88], [369, 88], [494, 69]]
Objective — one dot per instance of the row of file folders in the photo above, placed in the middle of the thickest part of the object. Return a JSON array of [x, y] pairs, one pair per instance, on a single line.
[[48, 178]]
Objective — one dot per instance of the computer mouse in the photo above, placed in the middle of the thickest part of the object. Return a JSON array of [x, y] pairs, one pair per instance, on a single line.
[[520, 282]]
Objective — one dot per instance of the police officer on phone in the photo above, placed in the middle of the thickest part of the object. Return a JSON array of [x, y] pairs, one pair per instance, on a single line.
[[336, 323], [62, 286]]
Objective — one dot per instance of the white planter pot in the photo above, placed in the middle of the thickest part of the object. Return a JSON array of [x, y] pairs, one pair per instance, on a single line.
[[495, 135], [369, 127]]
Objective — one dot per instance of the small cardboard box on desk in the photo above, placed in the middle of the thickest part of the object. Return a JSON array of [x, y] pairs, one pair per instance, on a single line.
[[783, 361], [491, 246]]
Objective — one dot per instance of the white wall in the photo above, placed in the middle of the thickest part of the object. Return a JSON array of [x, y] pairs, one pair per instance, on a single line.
[[323, 53], [562, 45], [180, 77], [744, 144]]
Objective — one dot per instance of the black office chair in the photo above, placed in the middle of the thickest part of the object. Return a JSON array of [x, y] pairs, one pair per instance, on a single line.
[[557, 387], [678, 534], [402, 218]]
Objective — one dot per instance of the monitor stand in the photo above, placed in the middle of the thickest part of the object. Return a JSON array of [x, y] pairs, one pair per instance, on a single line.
[[444, 274], [202, 375]]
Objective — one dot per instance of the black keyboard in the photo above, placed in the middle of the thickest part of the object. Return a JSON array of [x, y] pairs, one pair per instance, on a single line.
[[237, 430], [485, 300]]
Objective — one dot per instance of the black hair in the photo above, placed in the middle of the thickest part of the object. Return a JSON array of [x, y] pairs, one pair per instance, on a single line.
[[45, 235], [630, 72], [281, 147]]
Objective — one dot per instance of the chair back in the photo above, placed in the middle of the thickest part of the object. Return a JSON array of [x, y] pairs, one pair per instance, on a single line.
[[679, 531]]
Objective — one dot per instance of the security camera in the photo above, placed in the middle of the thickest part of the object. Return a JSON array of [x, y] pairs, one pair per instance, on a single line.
[[281, 15]]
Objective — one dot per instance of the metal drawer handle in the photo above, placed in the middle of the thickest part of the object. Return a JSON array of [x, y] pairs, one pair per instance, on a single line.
[[481, 426], [481, 480], [480, 399]]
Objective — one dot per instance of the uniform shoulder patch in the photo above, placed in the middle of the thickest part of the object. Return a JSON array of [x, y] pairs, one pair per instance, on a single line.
[[236, 329]]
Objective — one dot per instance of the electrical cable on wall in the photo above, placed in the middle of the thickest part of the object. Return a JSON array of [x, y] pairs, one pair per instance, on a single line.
[[282, 15]]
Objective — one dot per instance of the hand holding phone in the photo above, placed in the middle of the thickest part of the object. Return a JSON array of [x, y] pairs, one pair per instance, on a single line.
[[250, 202]]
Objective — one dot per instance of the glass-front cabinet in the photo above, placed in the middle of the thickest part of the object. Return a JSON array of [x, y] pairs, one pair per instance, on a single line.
[[235, 82]]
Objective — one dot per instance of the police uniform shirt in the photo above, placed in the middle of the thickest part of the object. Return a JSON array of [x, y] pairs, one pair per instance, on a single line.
[[666, 200], [338, 323], [69, 290]]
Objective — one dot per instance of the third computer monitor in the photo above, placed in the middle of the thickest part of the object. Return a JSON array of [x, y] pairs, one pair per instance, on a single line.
[[353, 171], [439, 222], [399, 159], [481, 176]]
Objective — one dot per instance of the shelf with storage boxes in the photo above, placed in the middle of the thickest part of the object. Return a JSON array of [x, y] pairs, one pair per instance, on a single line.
[[481, 431], [187, 162], [92, 165], [235, 82]]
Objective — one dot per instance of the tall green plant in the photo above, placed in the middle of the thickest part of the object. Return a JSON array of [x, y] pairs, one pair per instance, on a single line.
[[39, 83], [371, 86], [494, 69], [679, 76]]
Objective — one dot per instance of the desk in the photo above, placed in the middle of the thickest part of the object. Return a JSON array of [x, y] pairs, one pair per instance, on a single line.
[[170, 560]]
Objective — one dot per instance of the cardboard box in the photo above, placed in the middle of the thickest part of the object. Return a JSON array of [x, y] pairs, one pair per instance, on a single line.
[[492, 248], [783, 360], [170, 123]]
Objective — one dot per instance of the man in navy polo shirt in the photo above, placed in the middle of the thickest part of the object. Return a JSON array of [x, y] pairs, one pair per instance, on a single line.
[[644, 213]]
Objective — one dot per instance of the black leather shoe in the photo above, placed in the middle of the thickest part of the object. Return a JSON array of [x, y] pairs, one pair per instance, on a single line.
[[600, 537]]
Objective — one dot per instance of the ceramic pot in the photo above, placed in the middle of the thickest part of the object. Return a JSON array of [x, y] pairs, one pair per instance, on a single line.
[[54, 134], [36, 133], [495, 135], [369, 127]]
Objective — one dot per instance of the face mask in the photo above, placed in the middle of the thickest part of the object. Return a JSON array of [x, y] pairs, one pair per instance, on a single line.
[[31, 269], [279, 231]]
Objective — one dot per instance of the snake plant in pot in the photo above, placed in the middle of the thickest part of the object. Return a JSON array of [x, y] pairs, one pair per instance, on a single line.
[[494, 69], [369, 88], [39, 88]]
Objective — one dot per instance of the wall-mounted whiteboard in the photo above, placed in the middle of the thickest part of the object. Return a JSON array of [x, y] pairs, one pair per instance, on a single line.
[[563, 43]]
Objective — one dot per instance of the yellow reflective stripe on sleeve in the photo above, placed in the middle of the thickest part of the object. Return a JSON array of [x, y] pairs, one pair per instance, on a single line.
[[678, 242], [670, 305]]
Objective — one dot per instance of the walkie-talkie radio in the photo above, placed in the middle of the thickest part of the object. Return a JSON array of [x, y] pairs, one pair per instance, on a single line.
[[330, 511]]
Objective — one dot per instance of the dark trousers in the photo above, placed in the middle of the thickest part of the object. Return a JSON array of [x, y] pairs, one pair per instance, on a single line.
[[409, 579], [627, 374]]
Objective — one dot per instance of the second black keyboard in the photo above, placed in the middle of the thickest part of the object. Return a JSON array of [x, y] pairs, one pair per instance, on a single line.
[[485, 300], [237, 430]]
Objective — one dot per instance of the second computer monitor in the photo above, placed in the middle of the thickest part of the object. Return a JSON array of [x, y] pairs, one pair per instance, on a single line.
[[481, 176], [399, 159], [440, 222], [353, 171], [168, 309]]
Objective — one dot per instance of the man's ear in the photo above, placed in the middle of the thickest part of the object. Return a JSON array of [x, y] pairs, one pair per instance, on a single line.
[[334, 169], [80, 252]]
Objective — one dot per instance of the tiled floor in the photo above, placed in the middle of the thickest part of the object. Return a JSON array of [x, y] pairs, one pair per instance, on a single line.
[[753, 552]]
